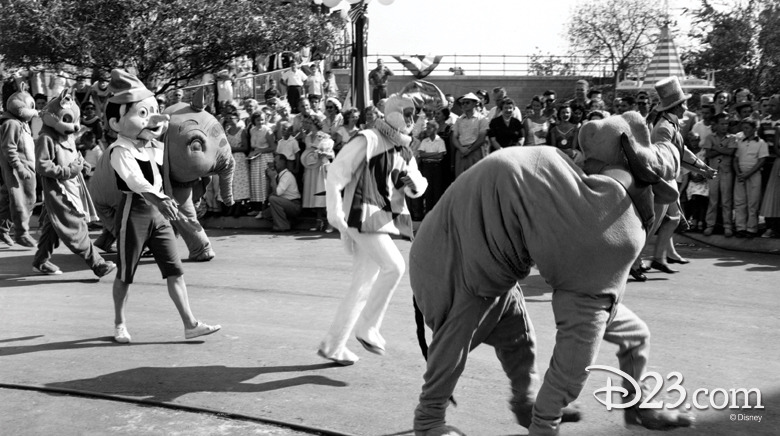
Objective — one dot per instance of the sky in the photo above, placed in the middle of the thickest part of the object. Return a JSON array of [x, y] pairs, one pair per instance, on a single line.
[[445, 27]]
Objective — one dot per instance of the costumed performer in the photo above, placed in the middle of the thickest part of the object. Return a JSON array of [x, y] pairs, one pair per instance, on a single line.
[[67, 206], [143, 216], [375, 170], [526, 205], [666, 128], [17, 169]]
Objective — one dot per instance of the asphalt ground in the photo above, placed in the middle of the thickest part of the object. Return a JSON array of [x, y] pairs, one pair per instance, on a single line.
[[716, 323]]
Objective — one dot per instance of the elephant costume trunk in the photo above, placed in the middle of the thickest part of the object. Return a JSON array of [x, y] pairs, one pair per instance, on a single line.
[[225, 167]]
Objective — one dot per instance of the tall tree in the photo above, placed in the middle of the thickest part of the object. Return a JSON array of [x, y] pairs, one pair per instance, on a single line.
[[740, 42], [168, 42], [622, 33]]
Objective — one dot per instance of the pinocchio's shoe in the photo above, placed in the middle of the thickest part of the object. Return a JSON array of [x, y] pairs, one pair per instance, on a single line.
[[200, 329]]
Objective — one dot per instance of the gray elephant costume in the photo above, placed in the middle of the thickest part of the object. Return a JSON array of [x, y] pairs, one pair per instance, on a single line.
[[583, 229], [195, 148]]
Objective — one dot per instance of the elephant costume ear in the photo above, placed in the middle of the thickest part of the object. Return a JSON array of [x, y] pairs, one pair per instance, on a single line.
[[198, 100]]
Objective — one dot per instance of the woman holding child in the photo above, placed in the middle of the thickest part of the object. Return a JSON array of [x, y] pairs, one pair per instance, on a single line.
[[315, 159]]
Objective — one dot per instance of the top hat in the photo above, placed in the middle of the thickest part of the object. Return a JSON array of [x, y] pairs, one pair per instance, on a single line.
[[670, 93]]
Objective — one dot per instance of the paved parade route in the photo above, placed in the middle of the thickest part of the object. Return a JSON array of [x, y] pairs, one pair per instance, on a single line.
[[274, 295]]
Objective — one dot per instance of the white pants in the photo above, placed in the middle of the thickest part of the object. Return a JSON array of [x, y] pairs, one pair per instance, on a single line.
[[376, 270]]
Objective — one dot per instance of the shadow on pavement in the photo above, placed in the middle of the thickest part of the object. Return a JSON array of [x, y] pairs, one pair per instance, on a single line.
[[103, 341], [167, 384]]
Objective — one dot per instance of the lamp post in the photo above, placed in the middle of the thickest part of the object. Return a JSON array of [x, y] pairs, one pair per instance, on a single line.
[[359, 81]]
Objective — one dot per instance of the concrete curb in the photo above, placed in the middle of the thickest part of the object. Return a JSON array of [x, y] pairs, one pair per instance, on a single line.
[[752, 245]]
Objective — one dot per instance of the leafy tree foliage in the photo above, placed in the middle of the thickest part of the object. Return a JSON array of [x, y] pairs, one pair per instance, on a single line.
[[168, 42], [741, 42], [622, 33]]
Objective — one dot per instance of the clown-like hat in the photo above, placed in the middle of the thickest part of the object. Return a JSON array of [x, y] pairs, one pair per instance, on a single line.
[[126, 88]]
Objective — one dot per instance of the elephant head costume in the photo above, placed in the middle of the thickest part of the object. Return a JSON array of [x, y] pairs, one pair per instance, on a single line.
[[195, 148]]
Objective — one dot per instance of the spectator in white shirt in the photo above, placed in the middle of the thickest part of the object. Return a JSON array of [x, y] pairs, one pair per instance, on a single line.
[[430, 156], [285, 199], [293, 79]]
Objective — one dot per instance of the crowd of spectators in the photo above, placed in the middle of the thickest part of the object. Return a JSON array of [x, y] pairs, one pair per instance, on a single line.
[[301, 121]]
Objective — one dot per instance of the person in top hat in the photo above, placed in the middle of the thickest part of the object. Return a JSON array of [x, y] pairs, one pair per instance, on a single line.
[[137, 158], [469, 134], [666, 128]]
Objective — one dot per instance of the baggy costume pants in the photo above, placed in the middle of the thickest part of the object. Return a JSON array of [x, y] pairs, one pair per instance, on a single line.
[[517, 207], [58, 223], [17, 199], [377, 267]]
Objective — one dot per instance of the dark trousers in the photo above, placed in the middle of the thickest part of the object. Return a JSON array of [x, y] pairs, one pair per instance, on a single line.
[[378, 93], [294, 94], [436, 175]]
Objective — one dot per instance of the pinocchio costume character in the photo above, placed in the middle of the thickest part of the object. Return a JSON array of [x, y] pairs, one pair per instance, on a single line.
[[67, 207], [145, 211], [17, 169]]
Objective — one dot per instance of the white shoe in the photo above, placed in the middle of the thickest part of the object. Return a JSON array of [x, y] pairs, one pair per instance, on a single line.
[[200, 329], [121, 335], [344, 358]]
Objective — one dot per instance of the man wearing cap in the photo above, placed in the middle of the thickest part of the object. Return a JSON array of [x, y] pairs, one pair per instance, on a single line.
[[643, 103], [378, 79], [137, 158], [468, 134]]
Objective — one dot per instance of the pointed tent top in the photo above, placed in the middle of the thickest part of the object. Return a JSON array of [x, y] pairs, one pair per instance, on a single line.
[[665, 62]]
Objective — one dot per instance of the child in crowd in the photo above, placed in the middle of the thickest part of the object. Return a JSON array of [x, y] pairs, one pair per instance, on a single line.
[[697, 191], [91, 153], [289, 147], [262, 144], [752, 151]]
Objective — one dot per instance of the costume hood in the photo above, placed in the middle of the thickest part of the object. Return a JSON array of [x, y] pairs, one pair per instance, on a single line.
[[62, 114]]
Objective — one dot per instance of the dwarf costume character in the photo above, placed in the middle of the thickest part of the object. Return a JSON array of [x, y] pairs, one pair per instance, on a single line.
[[532, 205], [68, 208], [144, 212], [374, 171], [17, 169]]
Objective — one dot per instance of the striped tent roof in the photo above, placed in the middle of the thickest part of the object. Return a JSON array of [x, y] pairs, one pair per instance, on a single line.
[[665, 62]]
